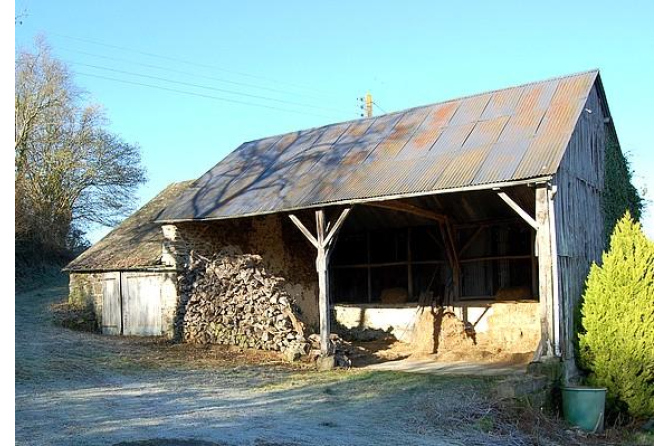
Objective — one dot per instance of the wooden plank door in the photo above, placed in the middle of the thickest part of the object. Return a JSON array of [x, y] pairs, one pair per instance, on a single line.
[[111, 304], [141, 301]]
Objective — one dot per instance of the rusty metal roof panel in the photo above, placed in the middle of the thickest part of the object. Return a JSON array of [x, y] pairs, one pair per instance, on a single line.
[[553, 135], [470, 109], [356, 131], [522, 126], [485, 132], [506, 135], [400, 134], [462, 168], [305, 143], [429, 131], [571, 88], [538, 96], [502, 161], [502, 103]]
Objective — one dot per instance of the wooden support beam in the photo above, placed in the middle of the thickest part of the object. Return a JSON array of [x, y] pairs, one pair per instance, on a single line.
[[467, 244], [322, 271], [533, 264], [558, 308], [483, 259], [452, 252], [304, 230], [519, 210], [410, 278], [410, 209], [369, 259], [336, 227], [545, 274], [325, 234], [486, 223]]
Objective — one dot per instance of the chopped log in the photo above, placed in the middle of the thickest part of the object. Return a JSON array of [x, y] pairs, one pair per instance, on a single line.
[[232, 299]]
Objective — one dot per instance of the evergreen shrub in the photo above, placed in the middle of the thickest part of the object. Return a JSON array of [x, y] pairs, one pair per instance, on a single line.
[[616, 346]]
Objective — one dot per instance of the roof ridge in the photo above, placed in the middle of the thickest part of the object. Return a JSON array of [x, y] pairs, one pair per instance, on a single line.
[[404, 110]]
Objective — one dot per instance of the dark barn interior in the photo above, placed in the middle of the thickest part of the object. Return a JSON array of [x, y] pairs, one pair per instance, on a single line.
[[390, 254]]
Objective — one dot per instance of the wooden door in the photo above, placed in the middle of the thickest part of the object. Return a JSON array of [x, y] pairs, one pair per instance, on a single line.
[[141, 303], [111, 304]]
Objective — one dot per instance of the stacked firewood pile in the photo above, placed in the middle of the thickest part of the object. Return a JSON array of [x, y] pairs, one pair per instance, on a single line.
[[232, 299]]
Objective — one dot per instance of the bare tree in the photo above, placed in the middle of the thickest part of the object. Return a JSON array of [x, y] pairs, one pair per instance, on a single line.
[[69, 169]]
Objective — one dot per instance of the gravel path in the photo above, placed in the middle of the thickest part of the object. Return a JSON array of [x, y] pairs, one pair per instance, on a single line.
[[76, 388]]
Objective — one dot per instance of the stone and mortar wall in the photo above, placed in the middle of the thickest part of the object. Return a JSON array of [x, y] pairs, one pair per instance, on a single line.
[[169, 299], [285, 252], [86, 289]]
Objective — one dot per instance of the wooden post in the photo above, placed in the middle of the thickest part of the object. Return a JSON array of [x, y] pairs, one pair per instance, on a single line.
[[410, 278], [545, 273], [452, 254], [369, 258], [533, 263], [325, 234], [322, 271]]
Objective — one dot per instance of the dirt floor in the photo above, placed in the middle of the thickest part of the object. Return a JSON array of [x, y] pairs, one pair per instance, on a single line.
[[74, 388]]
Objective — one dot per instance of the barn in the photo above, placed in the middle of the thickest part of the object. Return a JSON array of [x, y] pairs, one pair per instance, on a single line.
[[486, 207], [122, 277]]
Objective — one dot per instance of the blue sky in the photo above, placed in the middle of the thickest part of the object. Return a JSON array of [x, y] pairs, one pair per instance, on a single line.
[[303, 64]]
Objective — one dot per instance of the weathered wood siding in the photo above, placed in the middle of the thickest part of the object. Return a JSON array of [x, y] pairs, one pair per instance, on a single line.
[[111, 304], [579, 221]]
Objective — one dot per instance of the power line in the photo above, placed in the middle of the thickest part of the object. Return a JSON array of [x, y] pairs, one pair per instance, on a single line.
[[171, 70], [205, 87], [377, 105], [174, 59], [190, 93]]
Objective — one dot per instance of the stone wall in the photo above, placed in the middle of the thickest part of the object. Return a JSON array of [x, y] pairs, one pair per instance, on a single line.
[[285, 252], [169, 300], [86, 289]]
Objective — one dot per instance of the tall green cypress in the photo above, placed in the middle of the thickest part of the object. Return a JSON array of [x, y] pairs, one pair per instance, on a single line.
[[617, 344]]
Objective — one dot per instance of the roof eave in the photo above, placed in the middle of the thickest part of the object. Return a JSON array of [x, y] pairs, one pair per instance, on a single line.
[[351, 202]]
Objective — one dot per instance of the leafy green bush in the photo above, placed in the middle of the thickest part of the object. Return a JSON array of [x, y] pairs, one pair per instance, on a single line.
[[617, 345], [619, 194]]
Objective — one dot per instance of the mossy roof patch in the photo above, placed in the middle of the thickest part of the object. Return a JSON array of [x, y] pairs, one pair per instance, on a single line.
[[135, 243]]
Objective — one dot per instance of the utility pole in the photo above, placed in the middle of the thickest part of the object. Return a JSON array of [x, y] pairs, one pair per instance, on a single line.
[[367, 106]]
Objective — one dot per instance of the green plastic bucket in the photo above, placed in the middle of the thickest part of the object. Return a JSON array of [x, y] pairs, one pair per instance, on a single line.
[[584, 407]]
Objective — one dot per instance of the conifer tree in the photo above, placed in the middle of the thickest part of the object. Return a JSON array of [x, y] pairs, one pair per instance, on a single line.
[[617, 344]]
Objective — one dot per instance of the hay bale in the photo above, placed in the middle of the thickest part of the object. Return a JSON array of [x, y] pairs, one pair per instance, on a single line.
[[513, 294], [394, 296], [437, 331]]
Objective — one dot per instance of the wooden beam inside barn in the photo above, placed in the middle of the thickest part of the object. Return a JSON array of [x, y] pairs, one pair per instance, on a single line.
[[518, 209], [446, 230]]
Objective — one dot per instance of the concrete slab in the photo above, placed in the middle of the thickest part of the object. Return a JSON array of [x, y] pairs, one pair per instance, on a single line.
[[451, 367]]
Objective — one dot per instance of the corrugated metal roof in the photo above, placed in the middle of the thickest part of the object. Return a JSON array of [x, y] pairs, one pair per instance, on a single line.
[[507, 135]]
